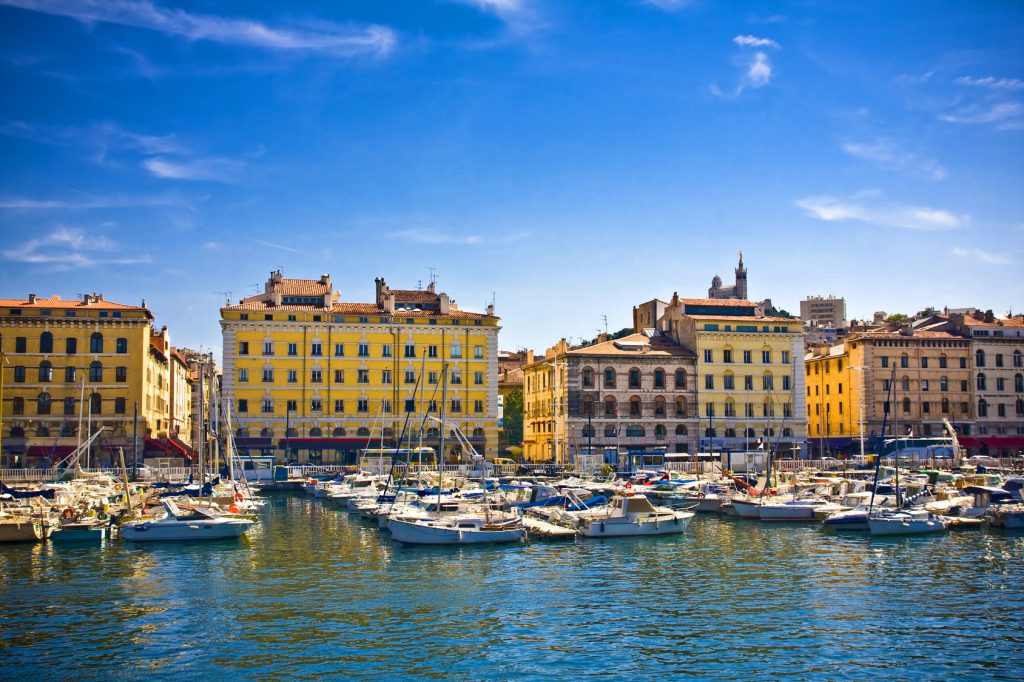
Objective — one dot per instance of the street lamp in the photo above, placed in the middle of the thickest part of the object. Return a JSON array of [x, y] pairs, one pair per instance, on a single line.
[[859, 369]]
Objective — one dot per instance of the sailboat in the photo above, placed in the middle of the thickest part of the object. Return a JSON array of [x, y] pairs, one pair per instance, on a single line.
[[463, 529]]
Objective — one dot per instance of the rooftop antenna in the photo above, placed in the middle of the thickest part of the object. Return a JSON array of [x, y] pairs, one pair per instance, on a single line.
[[255, 286], [433, 278], [226, 295], [419, 285], [605, 318]]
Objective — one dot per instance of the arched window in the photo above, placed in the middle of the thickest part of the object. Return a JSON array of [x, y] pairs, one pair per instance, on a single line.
[[432, 432], [982, 408], [609, 377], [338, 432], [709, 433], [389, 432], [478, 432], [45, 372], [46, 342], [1018, 383], [751, 433], [660, 431], [363, 431], [636, 431], [634, 378], [242, 432], [42, 431], [611, 407], [43, 403], [96, 372], [1018, 360], [730, 433], [680, 379], [944, 384], [681, 410], [769, 432], [787, 432], [588, 431], [906, 406], [588, 406], [96, 403], [315, 432], [291, 433], [981, 381], [1020, 407], [68, 429], [17, 432], [588, 377], [979, 358], [96, 343], [659, 407], [905, 384], [634, 406], [659, 378], [609, 431], [681, 430], [266, 432]]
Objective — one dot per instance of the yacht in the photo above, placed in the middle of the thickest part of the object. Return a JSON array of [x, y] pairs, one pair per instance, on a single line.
[[458, 530], [634, 515], [186, 523], [906, 522]]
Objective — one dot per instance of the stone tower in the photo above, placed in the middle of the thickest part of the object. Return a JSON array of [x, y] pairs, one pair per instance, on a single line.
[[741, 279]]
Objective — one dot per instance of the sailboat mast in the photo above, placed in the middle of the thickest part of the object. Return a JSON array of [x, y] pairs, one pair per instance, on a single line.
[[440, 455], [202, 422]]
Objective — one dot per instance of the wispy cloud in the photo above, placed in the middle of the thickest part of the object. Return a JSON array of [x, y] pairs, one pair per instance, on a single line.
[[68, 248], [887, 155], [427, 236], [91, 202], [279, 247], [983, 256], [668, 5], [754, 41], [1003, 115], [101, 138], [520, 16], [323, 38], [227, 171], [859, 209], [991, 82], [912, 79]]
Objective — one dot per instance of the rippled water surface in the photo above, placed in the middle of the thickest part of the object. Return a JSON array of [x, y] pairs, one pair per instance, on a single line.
[[314, 593]]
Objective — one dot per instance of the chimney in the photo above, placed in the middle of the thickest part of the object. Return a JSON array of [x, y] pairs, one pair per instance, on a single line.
[[87, 299], [389, 302], [490, 310], [31, 298], [325, 279], [443, 302], [143, 303]]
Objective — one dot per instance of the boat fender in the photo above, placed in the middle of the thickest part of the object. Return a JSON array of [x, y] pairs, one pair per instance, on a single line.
[[602, 526], [238, 497], [102, 516], [68, 513], [700, 496]]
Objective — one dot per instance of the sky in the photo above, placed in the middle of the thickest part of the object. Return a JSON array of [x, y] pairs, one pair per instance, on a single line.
[[566, 160]]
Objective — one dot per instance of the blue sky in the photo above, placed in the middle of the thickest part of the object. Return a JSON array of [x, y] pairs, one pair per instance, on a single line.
[[569, 158]]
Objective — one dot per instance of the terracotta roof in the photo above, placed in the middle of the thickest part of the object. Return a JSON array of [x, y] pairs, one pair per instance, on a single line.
[[347, 309], [1007, 322], [414, 296], [888, 336], [733, 302], [658, 346], [745, 319], [56, 302], [304, 287]]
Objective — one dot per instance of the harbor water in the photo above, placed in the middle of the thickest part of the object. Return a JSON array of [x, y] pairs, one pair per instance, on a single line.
[[313, 593]]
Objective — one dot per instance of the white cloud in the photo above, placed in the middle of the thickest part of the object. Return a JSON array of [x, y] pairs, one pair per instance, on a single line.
[[329, 39], [67, 248], [856, 208], [908, 79], [668, 5], [279, 247], [983, 256], [991, 82], [90, 202], [422, 236], [1004, 115], [211, 169], [754, 41], [758, 73], [887, 155]]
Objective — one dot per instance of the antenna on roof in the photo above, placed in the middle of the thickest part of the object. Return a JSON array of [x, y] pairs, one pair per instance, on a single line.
[[226, 295], [605, 317], [419, 285], [255, 286], [433, 277]]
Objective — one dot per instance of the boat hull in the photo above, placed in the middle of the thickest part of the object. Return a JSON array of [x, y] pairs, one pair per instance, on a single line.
[[21, 531], [746, 509], [413, 533], [773, 512], [620, 528], [897, 526], [150, 532], [94, 534]]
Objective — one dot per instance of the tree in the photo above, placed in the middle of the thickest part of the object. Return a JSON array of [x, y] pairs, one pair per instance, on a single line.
[[512, 431], [778, 312], [897, 317]]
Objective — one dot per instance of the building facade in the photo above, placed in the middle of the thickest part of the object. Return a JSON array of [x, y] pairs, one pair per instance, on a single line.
[[824, 312], [60, 352], [620, 399], [737, 290], [311, 378]]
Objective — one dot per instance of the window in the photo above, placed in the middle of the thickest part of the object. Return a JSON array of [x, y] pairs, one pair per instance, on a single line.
[[339, 407], [767, 382], [785, 359], [610, 407], [316, 405], [681, 406], [943, 362], [431, 351], [456, 377], [364, 350], [243, 347], [944, 384], [904, 361], [681, 430], [267, 406], [981, 382], [709, 381], [709, 410], [1000, 408], [905, 384], [924, 384], [979, 358], [71, 345], [609, 378], [293, 349], [730, 409], [432, 406], [748, 383], [587, 377], [747, 357], [69, 407], [906, 406], [96, 372], [316, 376], [432, 377], [96, 343], [885, 361], [293, 376], [292, 406], [478, 406], [410, 376], [386, 350], [963, 385], [727, 355], [268, 347], [766, 357], [634, 378], [243, 376], [339, 350], [70, 375], [456, 351], [18, 405], [786, 384], [945, 405], [963, 363], [243, 406], [20, 345], [708, 355], [96, 403], [121, 375], [385, 376], [982, 408], [999, 359], [46, 342], [924, 363], [362, 405], [1018, 383], [410, 350], [45, 372], [659, 378], [478, 352], [680, 379], [268, 375], [456, 406], [122, 345], [478, 378], [119, 405], [729, 382], [363, 376], [1000, 384], [787, 409], [1018, 359], [410, 404]]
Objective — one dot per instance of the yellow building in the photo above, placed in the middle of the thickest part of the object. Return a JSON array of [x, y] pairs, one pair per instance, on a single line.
[[932, 382], [750, 376], [314, 379], [58, 351]]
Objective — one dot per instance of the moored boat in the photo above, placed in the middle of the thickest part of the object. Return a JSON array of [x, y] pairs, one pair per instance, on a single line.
[[186, 523], [633, 516]]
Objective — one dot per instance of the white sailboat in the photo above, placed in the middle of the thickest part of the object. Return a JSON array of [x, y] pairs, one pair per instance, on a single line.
[[633, 516], [186, 523]]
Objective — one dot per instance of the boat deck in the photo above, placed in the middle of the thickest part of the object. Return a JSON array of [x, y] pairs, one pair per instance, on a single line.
[[538, 528]]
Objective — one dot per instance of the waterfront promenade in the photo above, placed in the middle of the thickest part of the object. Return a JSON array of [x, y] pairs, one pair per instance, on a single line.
[[312, 592]]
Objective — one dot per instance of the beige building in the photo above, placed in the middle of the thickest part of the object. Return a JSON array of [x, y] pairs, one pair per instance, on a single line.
[[621, 399], [825, 312]]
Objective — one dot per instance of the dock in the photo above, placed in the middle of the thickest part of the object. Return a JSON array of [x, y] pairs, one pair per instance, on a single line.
[[538, 528]]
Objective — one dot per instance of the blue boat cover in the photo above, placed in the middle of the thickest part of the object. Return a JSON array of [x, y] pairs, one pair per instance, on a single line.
[[27, 494]]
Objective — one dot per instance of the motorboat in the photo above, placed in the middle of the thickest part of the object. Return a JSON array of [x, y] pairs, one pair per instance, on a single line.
[[458, 530], [76, 529], [1006, 516], [906, 522], [631, 516], [20, 528], [186, 523], [855, 516], [803, 509]]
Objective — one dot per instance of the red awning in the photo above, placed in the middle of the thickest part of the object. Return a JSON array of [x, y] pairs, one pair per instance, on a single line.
[[185, 452], [154, 444], [1003, 441], [969, 442], [48, 450]]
